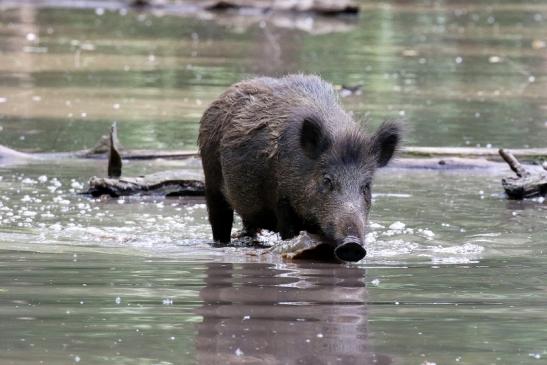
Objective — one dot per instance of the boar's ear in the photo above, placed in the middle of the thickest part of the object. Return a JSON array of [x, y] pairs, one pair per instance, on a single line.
[[385, 141], [312, 138]]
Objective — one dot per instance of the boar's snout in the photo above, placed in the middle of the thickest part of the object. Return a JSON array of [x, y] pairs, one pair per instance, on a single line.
[[350, 249]]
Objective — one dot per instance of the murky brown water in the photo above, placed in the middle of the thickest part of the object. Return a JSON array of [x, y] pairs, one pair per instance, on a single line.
[[454, 273]]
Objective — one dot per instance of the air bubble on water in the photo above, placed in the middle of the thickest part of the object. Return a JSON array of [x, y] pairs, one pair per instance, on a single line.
[[31, 37], [320, 335], [76, 185], [458, 60], [28, 181], [238, 352], [167, 301], [536, 356], [532, 78], [375, 225], [427, 233], [42, 179], [371, 237], [246, 317], [397, 226], [118, 300], [375, 282], [99, 11], [77, 358]]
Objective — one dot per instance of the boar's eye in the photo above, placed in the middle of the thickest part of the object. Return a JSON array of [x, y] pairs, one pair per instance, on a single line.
[[327, 183], [365, 189]]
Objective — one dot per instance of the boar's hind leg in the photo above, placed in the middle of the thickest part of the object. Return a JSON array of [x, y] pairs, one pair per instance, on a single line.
[[221, 216], [288, 223]]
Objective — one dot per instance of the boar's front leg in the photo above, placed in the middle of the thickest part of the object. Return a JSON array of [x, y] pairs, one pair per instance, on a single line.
[[288, 222], [221, 215]]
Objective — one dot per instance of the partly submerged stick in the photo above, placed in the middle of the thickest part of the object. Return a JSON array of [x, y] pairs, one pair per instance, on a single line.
[[527, 184], [114, 157], [165, 183], [467, 152]]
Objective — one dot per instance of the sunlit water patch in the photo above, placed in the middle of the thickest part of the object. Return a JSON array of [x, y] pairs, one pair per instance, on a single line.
[[45, 212]]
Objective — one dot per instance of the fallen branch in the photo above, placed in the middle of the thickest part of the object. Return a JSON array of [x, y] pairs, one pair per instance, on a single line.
[[527, 184], [490, 153], [165, 183], [466, 152]]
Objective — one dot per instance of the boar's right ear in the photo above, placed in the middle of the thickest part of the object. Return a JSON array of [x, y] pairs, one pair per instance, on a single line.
[[312, 138], [385, 141]]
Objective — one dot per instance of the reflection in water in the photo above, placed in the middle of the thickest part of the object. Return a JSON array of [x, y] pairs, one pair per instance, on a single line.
[[295, 314]]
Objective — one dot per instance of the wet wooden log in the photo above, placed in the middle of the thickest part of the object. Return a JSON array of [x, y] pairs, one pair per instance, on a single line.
[[405, 152], [527, 184], [489, 153], [165, 183], [320, 7]]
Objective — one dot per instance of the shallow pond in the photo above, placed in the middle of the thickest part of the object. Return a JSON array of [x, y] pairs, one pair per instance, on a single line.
[[455, 273]]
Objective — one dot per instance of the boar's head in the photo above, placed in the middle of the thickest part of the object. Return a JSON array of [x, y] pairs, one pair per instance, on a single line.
[[338, 192]]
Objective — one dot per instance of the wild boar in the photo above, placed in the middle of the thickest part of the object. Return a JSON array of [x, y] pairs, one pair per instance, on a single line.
[[286, 157]]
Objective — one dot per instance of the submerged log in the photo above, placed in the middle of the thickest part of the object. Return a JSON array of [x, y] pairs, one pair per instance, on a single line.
[[405, 152], [320, 7], [165, 183], [490, 153], [527, 184]]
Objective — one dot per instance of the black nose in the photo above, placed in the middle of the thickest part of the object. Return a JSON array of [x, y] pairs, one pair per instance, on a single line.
[[350, 250]]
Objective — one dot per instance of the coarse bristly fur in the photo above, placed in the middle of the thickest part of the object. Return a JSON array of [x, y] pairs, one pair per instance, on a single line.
[[285, 155]]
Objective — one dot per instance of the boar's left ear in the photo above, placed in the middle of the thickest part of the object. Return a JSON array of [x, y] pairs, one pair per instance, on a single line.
[[385, 141], [313, 138]]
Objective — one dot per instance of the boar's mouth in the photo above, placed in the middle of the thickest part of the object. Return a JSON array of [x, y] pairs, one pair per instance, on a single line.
[[350, 249]]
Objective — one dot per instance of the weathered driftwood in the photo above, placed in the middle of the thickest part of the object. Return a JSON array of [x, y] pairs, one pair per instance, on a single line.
[[165, 183], [100, 150], [489, 153], [321, 7], [532, 154], [305, 246], [527, 184]]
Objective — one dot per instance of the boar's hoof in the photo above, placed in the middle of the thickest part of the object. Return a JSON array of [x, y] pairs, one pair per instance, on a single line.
[[350, 250]]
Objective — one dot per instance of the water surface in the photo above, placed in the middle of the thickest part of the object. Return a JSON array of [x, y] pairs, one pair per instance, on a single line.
[[454, 272]]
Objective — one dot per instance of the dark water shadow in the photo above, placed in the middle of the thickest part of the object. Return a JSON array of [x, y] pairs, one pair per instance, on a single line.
[[284, 314]]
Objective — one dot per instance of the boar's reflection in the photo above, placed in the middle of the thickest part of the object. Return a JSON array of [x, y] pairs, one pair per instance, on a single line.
[[284, 314]]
